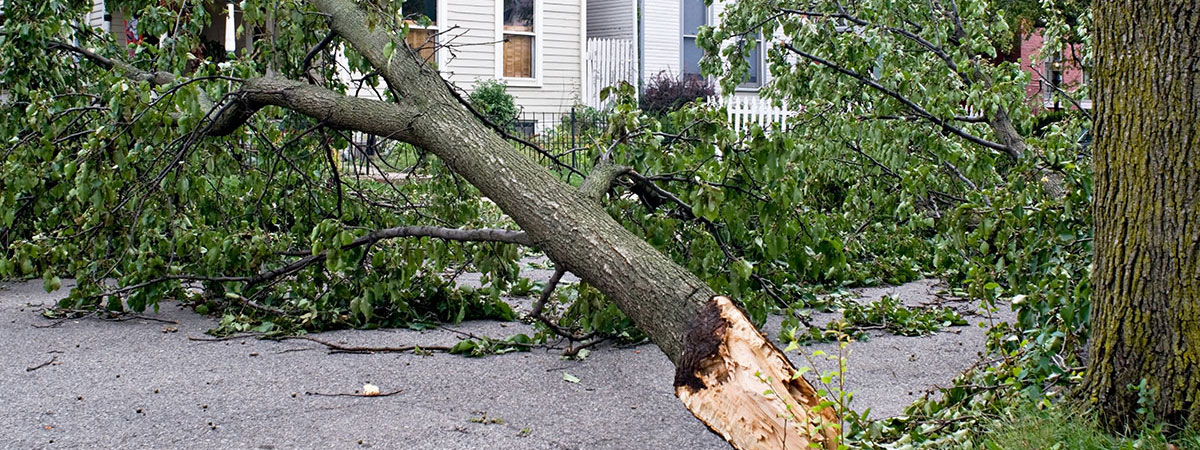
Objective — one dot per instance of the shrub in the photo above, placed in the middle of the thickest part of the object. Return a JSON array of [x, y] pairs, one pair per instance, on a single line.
[[491, 98], [665, 92]]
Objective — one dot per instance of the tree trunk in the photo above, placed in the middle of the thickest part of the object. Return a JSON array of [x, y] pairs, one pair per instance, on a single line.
[[1146, 277], [716, 350]]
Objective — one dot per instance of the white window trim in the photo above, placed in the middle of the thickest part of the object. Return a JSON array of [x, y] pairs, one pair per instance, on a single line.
[[440, 54], [538, 45]]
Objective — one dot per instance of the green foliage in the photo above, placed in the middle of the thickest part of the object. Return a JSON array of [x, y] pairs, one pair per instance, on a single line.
[[587, 311], [830, 386], [893, 316], [491, 98], [888, 313], [102, 179], [862, 188], [483, 346]]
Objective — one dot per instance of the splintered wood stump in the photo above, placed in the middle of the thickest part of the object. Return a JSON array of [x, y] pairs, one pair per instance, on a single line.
[[740, 385]]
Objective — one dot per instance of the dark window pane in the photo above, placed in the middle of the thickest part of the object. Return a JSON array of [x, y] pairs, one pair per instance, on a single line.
[[414, 8], [695, 14], [691, 56], [755, 61], [518, 15], [524, 128]]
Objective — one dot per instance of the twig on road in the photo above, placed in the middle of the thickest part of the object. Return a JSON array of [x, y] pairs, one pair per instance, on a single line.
[[333, 347], [387, 394], [39, 366], [76, 314], [339, 348]]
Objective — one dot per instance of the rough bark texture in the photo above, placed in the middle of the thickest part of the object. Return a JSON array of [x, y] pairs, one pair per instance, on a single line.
[[1146, 279], [573, 230], [570, 226]]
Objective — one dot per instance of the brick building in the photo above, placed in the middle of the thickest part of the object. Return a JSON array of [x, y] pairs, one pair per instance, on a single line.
[[1063, 70]]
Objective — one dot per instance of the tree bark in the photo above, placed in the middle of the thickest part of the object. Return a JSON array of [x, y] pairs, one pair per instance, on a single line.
[[1146, 277], [717, 351]]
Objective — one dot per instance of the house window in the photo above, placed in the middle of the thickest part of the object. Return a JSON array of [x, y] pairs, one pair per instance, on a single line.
[[1053, 81], [420, 37], [695, 15], [753, 78], [524, 128], [520, 38]]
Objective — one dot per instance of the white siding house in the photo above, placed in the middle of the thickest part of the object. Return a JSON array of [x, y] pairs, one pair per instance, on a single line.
[[663, 36], [664, 33], [535, 46], [608, 19]]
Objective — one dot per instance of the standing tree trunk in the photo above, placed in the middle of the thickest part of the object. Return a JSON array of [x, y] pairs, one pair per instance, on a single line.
[[1146, 278]]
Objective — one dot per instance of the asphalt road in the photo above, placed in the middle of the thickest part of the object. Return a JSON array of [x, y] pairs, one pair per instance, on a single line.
[[142, 383]]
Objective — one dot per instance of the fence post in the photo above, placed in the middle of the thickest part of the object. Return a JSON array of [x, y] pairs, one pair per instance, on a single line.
[[573, 130]]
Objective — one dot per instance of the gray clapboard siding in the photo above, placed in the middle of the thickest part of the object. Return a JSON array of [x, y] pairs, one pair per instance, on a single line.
[[610, 19], [662, 30]]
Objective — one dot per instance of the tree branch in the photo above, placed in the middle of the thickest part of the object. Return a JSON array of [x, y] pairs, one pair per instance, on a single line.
[[600, 179], [917, 109], [449, 234]]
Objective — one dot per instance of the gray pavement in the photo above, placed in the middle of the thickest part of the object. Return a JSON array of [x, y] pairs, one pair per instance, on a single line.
[[144, 384]]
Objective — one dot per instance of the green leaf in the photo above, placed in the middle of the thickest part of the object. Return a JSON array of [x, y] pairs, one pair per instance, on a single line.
[[743, 269], [570, 378], [265, 327], [464, 346], [388, 49]]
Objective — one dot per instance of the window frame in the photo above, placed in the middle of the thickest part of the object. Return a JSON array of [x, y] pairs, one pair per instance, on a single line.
[[684, 36], [760, 50], [436, 27], [538, 40], [709, 16]]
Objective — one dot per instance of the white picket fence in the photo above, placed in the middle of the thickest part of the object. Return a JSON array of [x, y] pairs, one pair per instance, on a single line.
[[609, 62], [744, 112]]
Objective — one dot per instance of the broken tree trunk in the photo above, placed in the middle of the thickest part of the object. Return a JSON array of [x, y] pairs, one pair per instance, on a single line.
[[724, 365]]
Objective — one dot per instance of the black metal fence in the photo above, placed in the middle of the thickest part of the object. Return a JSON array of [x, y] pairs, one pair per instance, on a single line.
[[569, 137]]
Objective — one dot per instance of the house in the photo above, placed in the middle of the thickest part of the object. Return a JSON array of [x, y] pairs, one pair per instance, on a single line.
[[664, 37], [219, 34], [534, 46], [1061, 72]]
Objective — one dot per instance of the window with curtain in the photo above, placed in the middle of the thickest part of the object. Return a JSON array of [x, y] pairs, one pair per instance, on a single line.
[[420, 37], [519, 38]]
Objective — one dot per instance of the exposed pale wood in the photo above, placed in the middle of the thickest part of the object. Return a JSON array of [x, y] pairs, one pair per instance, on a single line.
[[745, 389]]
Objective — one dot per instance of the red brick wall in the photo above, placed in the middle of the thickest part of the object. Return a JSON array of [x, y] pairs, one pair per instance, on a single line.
[[1072, 74]]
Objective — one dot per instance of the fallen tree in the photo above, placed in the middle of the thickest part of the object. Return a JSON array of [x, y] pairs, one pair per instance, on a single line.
[[716, 350], [724, 364]]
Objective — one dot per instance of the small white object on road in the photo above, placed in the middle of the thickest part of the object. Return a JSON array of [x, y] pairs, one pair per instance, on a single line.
[[370, 390]]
